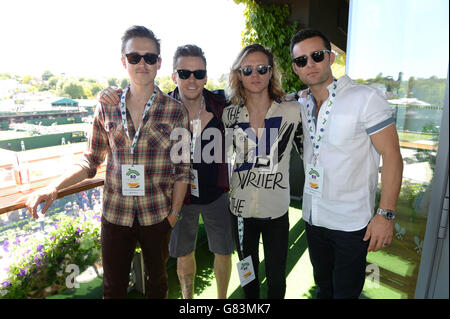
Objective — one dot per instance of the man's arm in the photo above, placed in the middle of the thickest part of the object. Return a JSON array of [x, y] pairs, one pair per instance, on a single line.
[[49, 193], [178, 194], [181, 169], [93, 156], [387, 144], [380, 231]]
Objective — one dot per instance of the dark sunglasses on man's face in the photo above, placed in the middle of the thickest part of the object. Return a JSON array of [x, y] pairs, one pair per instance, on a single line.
[[248, 70], [149, 58], [317, 57], [185, 74]]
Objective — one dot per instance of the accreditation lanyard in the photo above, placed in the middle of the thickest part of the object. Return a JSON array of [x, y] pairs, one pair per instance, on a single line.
[[317, 134], [240, 224], [245, 265], [196, 128], [196, 133], [123, 112]]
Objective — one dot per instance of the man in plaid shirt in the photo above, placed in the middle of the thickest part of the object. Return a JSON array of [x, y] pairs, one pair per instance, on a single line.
[[144, 189]]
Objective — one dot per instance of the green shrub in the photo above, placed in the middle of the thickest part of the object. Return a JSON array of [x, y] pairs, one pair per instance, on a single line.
[[38, 265], [269, 26]]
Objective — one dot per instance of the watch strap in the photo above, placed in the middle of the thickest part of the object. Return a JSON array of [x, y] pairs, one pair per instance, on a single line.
[[386, 213], [176, 214]]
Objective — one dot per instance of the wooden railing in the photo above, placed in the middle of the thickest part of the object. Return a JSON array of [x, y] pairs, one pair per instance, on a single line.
[[418, 146], [12, 198]]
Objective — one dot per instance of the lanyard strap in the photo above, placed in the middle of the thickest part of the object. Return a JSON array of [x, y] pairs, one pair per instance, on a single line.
[[123, 112], [240, 224], [317, 133], [196, 125]]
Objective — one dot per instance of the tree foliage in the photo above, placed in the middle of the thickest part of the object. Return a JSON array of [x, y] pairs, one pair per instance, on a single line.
[[74, 90], [27, 79], [46, 75], [60, 85], [6, 76], [269, 26], [124, 83], [431, 90], [113, 82], [165, 83]]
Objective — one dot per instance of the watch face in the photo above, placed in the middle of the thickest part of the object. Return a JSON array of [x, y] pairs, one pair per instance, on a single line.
[[389, 215]]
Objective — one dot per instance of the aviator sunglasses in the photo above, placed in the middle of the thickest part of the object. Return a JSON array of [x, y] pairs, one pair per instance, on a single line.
[[317, 57], [149, 58], [248, 70], [185, 74]]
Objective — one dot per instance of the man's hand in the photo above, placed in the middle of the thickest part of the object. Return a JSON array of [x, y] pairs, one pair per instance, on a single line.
[[47, 195], [172, 220], [109, 96], [303, 93], [380, 231]]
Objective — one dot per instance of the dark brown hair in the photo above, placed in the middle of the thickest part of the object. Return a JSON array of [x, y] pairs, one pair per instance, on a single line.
[[138, 31]]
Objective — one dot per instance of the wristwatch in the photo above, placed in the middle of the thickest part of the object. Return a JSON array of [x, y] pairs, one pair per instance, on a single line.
[[176, 214], [386, 213]]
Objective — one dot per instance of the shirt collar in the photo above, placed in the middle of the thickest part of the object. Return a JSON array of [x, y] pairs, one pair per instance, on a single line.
[[342, 80]]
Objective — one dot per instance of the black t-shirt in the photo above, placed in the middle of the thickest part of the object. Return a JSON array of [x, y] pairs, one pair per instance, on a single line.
[[207, 172]]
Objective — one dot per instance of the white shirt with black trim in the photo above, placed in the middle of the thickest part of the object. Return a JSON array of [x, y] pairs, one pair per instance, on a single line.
[[348, 157]]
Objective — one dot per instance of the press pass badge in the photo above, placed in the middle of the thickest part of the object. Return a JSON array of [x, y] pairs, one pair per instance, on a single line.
[[133, 180], [314, 180], [245, 270], [194, 183]]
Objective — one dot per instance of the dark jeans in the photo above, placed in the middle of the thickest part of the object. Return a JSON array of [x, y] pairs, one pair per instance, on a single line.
[[339, 261], [118, 246], [275, 235]]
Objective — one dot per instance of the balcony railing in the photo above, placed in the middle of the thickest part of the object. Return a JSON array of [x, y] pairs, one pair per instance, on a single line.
[[42, 166]]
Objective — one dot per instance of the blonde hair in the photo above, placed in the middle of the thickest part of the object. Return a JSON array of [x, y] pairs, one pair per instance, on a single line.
[[237, 91]]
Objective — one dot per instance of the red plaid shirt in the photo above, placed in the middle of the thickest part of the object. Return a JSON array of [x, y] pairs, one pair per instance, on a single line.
[[152, 150]]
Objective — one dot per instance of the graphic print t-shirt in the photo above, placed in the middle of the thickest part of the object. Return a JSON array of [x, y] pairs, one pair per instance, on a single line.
[[260, 174]]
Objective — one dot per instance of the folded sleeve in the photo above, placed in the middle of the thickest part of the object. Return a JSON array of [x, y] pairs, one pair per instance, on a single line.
[[182, 167], [377, 114], [97, 145]]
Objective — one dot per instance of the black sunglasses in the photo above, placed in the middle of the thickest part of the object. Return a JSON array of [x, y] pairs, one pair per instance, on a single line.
[[149, 58], [186, 74], [317, 57], [248, 70]]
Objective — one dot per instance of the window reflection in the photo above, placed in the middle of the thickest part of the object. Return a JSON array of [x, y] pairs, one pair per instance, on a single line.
[[401, 48]]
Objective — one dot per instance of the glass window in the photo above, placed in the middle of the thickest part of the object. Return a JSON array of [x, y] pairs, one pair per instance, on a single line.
[[401, 48]]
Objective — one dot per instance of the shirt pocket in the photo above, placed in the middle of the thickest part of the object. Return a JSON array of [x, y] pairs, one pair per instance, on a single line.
[[116, 135], [158, 136], [342, 129]]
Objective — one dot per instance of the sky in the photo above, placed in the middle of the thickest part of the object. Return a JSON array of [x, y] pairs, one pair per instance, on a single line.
[[81, 38], [409, 36]]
